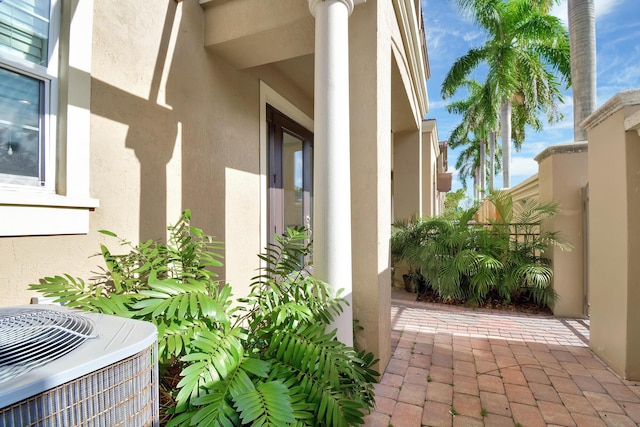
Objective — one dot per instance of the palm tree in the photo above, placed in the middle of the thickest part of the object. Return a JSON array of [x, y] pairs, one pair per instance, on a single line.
[[525, 50], [469, 164], [582, 33], [479, 121]]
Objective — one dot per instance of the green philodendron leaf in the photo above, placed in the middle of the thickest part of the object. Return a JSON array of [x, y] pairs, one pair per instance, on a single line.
[[154, 294], [184, 306], [215, 409], [108, 233], [170, 287], [268, 404], [268, 362], [257, 367]]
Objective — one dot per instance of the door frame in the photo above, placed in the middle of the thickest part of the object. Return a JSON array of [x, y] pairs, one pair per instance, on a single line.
[[279, 125], [270, 96]]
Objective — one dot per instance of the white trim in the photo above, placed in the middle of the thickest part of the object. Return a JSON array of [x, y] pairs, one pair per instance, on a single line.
[[48, 77], [348, 3], [63, 209], [280, 103], [25, 198], [616, 103], [633, 122], [412, 39]]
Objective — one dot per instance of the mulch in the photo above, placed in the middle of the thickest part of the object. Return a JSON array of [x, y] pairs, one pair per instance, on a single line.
[[492, 301]]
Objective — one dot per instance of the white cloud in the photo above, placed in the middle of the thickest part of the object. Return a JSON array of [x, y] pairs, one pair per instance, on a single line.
[[626, 76], [437, 104], [523, 166], [471, 36], [603, 7], [560, 11], [533, 148], [565, 124]]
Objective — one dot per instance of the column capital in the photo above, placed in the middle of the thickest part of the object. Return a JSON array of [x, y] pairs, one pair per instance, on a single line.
[[348, 3]]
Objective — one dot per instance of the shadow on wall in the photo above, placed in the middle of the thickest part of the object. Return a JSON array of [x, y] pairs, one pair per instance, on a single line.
[[152, 132], [198, 109]]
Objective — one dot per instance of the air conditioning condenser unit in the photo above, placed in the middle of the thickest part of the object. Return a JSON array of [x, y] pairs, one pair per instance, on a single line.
[[61, 367]]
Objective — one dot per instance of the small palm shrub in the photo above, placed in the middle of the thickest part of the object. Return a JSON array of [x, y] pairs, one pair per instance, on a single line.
[[464, 261], [268, 361]]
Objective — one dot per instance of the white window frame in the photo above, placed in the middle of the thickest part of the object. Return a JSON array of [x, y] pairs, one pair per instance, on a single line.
[[63, 204], [48, 75]]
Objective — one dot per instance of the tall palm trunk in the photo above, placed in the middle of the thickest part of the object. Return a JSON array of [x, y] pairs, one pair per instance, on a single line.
[[492, 158], [483, 168], [505, 125], [476, 193], [582, 39]]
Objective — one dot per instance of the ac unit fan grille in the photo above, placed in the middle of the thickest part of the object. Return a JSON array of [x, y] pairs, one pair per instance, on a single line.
[[34, 337], [121, 394]]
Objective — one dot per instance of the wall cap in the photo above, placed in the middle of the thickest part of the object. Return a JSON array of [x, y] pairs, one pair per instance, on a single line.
[[574, 147], [613, 105], [428, 125], [633, 122]]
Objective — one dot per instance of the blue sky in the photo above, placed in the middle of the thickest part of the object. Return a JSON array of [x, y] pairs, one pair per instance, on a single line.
[[450, 35]]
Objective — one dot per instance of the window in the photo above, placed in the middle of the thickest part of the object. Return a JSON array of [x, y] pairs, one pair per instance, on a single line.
[[45, 87], [25, 93]]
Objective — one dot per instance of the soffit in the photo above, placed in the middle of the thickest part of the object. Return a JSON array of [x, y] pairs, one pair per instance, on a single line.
[[249, 33], [297, 72], [402, 114]]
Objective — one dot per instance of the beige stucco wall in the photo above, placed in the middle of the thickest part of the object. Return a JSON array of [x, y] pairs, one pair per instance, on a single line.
[[526, 190], [562, 174], [388, 99], [407, 175], [431, 198], [370, 93], [172, 127], [632, 142], [614, 207]]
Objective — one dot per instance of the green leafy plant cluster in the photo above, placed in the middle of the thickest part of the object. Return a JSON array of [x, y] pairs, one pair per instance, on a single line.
[[465, 261], [267, 360]]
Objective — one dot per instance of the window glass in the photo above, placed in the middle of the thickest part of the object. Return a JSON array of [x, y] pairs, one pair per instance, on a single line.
[[24, 29], [21, 154], [292, 180], [24, 39]]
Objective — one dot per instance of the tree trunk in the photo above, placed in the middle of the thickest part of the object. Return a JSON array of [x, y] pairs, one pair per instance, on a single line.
[[582, 39], [492, 158], [505, 124], [483, 168], [475, 184]]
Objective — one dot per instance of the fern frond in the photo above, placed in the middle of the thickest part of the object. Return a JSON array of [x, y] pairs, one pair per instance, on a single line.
[[269, 404]]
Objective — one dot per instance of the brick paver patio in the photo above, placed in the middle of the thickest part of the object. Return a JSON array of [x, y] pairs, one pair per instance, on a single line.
[[453, 366]]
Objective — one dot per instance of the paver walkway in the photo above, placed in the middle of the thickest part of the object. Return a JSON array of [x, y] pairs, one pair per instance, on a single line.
[[453, 366]]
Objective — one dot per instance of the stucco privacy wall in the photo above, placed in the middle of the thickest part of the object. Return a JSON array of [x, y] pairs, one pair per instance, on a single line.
[[562, 174], [614, 234]]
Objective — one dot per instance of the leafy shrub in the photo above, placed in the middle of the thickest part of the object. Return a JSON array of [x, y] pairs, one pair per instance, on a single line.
[[465, 261], [266, 362]]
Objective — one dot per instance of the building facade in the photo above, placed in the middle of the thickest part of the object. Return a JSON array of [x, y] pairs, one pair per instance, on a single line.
[[253, 114]]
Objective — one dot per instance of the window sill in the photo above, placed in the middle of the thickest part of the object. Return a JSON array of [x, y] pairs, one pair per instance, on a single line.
[[40, 214]]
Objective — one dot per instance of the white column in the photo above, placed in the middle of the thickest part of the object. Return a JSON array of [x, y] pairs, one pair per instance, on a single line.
[[332, 182]]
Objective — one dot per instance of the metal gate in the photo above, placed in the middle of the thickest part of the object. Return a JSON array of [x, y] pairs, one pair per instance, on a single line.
[[585, 245]]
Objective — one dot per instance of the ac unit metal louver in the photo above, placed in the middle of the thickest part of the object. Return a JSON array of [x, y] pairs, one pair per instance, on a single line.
[[61, 367]]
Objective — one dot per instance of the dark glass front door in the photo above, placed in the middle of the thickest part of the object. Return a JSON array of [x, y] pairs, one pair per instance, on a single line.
[[290, 174]]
